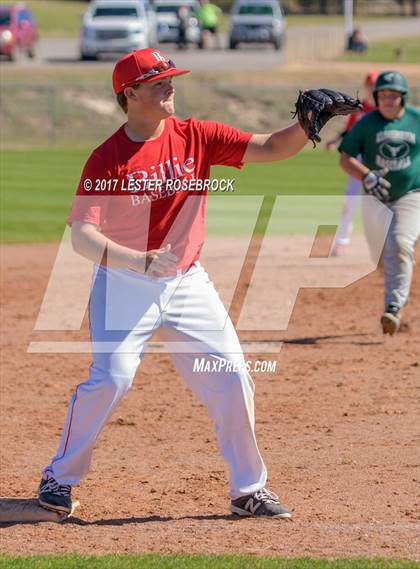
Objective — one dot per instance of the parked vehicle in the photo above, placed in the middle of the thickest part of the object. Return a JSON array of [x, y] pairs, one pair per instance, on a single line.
[[260, 21], [168, 21], [117, 26], [18, 31]]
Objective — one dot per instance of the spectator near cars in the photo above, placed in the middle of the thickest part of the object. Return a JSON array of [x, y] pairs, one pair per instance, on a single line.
[[18, 31], [169, 23], [259, 21], [117, 26], [208, 17], [357, 41], [184, 16]]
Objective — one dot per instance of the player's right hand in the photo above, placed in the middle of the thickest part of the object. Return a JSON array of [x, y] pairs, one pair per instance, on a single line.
[[375, 184], [160, 262]]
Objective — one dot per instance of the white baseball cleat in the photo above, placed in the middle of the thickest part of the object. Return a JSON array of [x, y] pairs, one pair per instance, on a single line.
[[390, 320], [262, 503]]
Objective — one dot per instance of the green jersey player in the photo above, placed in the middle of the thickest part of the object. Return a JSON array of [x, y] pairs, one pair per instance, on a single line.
[[388, 141]]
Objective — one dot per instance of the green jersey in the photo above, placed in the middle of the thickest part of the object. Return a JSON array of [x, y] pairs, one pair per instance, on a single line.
[[208, 15], [392, 144]]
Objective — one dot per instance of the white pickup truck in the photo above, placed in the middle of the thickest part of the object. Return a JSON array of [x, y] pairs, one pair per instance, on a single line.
[[117, 26]]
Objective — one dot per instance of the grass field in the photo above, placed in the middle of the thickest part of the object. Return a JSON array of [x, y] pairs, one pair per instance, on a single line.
[[395, 50], [56, 18], [56, 76], [154, 561], [35, 200]]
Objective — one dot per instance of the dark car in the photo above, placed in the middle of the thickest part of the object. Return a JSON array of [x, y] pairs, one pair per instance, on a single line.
[[18, 31]]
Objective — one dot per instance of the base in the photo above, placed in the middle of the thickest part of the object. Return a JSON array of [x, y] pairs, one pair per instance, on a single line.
[[28, 510]]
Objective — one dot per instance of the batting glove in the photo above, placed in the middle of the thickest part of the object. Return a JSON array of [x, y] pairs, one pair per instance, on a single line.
[[375, 184]]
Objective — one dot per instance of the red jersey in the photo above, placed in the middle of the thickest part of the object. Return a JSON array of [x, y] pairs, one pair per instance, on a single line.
[[128, 188], [367, 108]]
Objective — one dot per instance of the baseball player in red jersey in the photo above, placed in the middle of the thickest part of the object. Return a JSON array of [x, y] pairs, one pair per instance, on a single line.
[[145, 245], [353, 187]]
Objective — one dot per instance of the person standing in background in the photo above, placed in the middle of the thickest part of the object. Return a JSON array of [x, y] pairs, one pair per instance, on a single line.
[[183, 15], [353, 186], [208, 16]]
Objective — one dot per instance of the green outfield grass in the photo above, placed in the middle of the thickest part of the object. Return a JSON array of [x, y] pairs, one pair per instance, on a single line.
[[386, 52], [37, 189], [36, 193], [154, 561]]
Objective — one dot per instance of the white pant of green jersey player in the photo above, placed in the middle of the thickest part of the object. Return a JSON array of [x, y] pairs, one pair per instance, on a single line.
[[398, 251]]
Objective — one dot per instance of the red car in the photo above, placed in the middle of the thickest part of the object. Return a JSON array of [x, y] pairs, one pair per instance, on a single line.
[[18, 31]]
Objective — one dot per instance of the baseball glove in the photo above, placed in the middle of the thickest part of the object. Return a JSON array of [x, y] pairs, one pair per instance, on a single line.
[[316, 107]]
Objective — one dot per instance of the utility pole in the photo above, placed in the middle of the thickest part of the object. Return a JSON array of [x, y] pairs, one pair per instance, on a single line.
[[348, 19]]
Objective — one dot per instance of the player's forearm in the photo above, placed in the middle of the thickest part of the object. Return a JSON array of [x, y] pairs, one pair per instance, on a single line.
[[352, 166], [278, 145], [288, 142], [90, 243]]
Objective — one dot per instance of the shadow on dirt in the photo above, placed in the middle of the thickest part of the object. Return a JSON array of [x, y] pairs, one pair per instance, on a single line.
[[342, 339], [35, 515], [148, 519], [314, 340]]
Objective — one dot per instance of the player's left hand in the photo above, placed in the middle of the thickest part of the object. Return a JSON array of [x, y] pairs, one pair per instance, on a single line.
[[316, 107], [161, 262], [330, 145], [375, 184]]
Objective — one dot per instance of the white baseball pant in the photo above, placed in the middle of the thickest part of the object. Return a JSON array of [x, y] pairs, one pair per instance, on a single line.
[[351, 201], [125, 309], [398, 250]]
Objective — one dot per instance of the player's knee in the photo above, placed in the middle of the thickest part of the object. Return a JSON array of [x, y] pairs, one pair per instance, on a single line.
[[403, 247], [117, 382], [399, 247]]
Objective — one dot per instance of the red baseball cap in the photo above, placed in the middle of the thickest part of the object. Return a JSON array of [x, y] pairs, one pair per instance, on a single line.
[[143, 65]]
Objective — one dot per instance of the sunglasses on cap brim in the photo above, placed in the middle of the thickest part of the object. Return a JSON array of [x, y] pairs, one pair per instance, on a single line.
[[157, 69]]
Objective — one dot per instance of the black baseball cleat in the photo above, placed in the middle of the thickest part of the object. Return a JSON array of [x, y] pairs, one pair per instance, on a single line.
[[390, 320], [54, 496], [262, 503]]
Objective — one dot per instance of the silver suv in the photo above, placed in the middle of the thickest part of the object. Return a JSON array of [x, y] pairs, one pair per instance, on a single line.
[[117, 26], [259, 21]]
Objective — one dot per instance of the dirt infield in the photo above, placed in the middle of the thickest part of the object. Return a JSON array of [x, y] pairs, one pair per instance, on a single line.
[[337, 423]]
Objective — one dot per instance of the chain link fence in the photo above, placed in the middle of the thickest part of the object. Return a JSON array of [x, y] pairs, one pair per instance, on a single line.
[[319, 44], [51, 116], [81, 116]]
